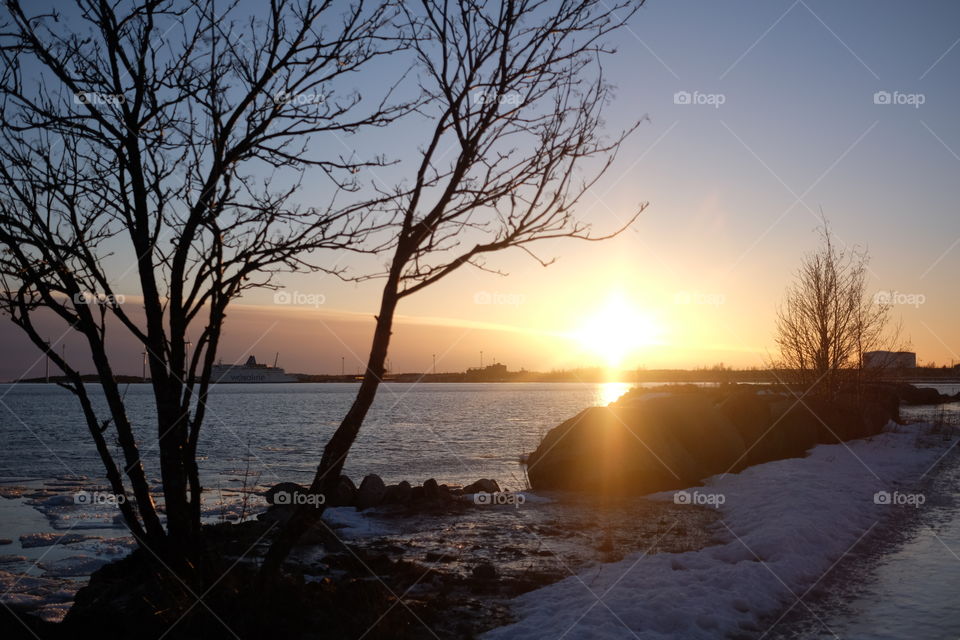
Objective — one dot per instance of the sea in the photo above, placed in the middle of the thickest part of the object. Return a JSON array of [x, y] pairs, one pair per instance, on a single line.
[[455, 433]]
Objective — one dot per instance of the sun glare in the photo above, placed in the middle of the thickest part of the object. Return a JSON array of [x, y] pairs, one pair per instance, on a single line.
[[617, 330]]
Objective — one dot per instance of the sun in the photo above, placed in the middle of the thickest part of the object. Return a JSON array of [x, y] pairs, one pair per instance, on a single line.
[[616, 330]]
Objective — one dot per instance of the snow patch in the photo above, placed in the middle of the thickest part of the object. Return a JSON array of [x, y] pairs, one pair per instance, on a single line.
[[350, 523], [783, 525], [30, 540]]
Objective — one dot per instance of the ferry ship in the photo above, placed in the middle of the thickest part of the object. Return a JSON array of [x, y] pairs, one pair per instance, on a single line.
[[251, 372]]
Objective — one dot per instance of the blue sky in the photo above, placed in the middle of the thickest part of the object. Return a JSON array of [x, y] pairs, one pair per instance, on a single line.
[[734, 190]]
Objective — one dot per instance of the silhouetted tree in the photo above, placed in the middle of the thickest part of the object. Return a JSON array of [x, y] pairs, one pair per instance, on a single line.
[[513, 94], [827, 320], [156, 129]]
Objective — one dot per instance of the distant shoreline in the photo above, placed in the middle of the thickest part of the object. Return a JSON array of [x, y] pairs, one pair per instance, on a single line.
[[595, 376]]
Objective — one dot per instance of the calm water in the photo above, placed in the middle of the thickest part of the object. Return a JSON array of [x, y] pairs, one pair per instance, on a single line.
[[456, 433]]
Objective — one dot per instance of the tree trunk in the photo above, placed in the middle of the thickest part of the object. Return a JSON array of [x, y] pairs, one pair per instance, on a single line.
[[182, 534], [335, 453]]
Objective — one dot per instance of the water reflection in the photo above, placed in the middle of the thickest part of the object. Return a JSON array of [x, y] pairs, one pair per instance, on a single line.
[[607, 392]]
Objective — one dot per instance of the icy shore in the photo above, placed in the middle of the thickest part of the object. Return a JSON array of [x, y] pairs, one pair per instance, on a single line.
[[783, 525]]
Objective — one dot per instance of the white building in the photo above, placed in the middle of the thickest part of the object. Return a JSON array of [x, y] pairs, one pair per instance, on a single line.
[[889, 360]]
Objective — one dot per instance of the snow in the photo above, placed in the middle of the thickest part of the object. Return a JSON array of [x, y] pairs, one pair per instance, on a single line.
[[73, 566], [783, 525], [350, 523], [31, 540], [47, 597]]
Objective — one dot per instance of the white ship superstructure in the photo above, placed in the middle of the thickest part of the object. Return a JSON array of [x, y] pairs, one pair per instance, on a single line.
[[250, 372]]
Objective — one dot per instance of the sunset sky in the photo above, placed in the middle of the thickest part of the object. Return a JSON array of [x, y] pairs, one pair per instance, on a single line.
[[784, 118]]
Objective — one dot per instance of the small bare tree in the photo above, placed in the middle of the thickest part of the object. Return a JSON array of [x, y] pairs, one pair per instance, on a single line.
[[828, 321], [513, 94], [159, 130]]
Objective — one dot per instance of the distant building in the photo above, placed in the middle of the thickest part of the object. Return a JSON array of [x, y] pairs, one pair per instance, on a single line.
[[493, 372], [890, 360]]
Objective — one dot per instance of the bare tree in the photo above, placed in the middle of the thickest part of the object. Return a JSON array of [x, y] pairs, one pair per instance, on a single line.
[[827, 320], [174, 133], [513, 94]]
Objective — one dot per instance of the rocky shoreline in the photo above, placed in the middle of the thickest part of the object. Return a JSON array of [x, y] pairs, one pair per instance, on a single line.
[[451, 564]]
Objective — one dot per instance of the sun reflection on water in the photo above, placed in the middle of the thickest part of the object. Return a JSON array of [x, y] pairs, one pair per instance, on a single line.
[[607, 392]]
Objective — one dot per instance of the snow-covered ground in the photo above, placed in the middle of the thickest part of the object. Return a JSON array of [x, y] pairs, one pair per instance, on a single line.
[[55, 536], [784, 525]]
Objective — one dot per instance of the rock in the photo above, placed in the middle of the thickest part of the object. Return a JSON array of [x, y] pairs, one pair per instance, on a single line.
[[371, 492], [286, 489], [675, 441], [910, 394], [484, 571], [390, 494], [431, 491], [416, 494], [611, 449], [713, 443], [486, 485], [278, 513], [4, 541], [345, 493], [397, 493]]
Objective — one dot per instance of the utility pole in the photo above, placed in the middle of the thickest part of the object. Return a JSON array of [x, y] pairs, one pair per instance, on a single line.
[[342, 360], [434, 364], [481, 359]]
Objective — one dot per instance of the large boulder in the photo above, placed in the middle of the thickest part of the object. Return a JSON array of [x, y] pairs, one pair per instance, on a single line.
[[485, 485], [371, 492], [612, 450], [344, 494], [432, 491], [397, 493], [285, 491], [710, 439], [662, 442]]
